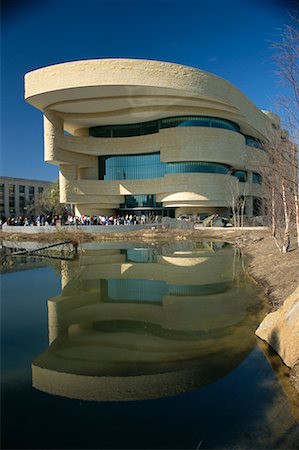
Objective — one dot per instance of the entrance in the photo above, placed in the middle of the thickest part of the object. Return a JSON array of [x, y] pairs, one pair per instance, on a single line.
[[150, 214]]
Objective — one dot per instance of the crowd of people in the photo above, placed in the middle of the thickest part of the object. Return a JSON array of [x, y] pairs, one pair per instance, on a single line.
[[72, 220]]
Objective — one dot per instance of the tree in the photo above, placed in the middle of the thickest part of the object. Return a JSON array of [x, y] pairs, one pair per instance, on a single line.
[[280, 174], [237, 192], [279, 188], [287, 62], [48, 200]]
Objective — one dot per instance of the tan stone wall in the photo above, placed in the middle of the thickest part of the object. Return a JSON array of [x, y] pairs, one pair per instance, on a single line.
[[48, 87]]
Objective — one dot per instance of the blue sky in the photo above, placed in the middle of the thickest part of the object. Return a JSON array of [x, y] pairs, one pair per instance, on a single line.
[[230, 38]]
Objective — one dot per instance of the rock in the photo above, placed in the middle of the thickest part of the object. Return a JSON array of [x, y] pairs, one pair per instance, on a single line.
[[294, 377], [280, 329]]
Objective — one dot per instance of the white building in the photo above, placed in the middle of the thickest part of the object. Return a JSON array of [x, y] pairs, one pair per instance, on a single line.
[[17, 194], [149, 136]]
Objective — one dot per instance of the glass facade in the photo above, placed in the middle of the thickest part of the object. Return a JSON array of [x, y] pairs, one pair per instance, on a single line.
[[140, 201], [240, 174], [253, 142], [256, 178], [138, 167], [196, 166], [31, 194], [2, 207], [11, 198], [22, 198], [153, 126]]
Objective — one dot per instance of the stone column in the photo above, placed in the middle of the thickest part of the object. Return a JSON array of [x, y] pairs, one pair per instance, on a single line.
[[53, 127], [67, 174]]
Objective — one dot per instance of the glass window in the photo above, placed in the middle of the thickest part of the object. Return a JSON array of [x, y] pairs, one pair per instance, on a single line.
[[2, 208], [253, 142], [140, 201], [40, 189], [11, 198], [224, 123], [256, 178], [240, 174], [31, 193], [153, 126], [22, 203], [137, 167], [131, 167], [257, 206], [22, 198], [196, 166]]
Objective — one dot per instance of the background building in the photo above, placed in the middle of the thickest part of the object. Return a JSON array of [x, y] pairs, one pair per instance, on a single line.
[[18, 194], [149, 136]]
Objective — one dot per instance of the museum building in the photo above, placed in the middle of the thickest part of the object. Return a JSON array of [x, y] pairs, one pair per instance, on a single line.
[[143, 136]]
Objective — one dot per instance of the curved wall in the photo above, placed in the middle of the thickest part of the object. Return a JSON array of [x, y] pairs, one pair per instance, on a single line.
[[78, 96]]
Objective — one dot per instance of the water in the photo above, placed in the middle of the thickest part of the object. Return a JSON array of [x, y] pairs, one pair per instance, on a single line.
[[139, 346]]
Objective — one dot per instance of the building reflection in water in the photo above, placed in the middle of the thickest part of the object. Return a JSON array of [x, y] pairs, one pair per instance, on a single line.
[[140, 322]]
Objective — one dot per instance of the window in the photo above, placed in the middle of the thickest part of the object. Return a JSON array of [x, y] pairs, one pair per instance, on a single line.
[[131, 167], [240, 174], [40, 189], [253, 142], [140, 201], [22, 198], [138, 167], [196, 166], [31, 194], [11, 198], [2, 207], [257, 206], [256, 178], [153, 126]]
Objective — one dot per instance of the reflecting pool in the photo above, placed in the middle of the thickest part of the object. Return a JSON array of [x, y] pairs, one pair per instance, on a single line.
[[139, 346]]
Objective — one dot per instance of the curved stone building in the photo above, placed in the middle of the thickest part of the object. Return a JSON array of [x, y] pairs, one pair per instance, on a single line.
[[137, 135]]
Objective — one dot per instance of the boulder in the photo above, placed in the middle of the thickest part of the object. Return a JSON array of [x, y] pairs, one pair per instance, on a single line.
[[280, 329]]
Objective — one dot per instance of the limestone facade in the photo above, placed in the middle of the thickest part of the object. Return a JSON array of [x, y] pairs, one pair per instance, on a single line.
[[17, 194], [203, 145]]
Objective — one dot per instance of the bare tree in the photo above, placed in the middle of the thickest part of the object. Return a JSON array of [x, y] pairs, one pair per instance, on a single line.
[[287, 62], [280, 174], [280, 187], [236, 199]]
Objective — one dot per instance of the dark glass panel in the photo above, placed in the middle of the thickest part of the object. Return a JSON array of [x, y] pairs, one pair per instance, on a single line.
[[257, 206], [140, 201], [154, 126], [197, 166], [144, 166], [241, 175], [256, 178], [11, 198], [224, 123], [253, 142]]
